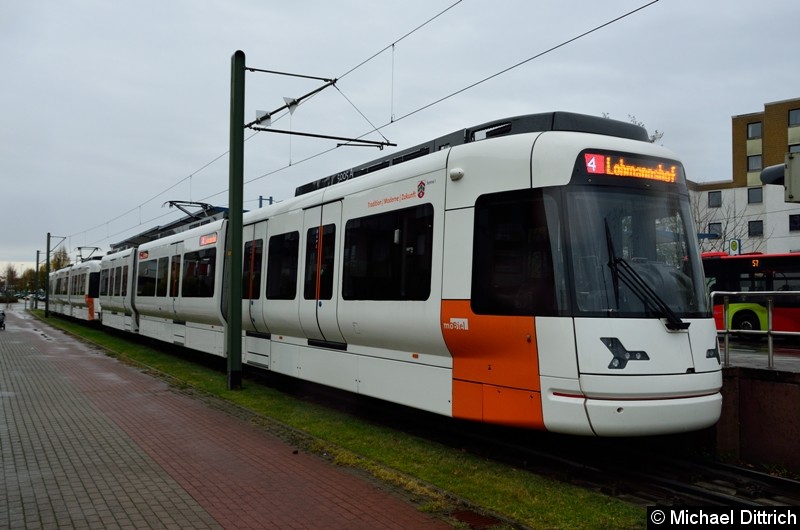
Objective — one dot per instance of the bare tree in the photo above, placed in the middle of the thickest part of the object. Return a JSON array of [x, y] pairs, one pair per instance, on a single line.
[[60, 259], [655, 137], [11, 276], [732, 225]]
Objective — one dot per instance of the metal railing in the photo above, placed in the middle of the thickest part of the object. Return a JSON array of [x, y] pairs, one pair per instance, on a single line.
[[769, 332]]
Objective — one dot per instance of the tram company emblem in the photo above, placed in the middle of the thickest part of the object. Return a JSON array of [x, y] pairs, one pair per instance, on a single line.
[[421, 189], [621, 354]]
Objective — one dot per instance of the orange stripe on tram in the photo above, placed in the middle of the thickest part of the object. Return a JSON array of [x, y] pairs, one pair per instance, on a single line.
[[495, 366]]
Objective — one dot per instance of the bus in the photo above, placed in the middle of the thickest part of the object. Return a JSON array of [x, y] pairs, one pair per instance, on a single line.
[[755, 272]]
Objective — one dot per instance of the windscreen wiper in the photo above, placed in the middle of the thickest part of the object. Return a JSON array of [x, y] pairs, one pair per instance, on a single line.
[[612, 264], [622, 270]]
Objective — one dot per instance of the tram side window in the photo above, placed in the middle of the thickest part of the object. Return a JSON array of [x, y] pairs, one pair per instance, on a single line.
[[251, 269], [387, 256], [104, 282], [117, 281], [512, 262], [161, 278], [282, 261], [175, 275], [125, 280], [146, 278], [319, 263], [198, 273], [94, 284]]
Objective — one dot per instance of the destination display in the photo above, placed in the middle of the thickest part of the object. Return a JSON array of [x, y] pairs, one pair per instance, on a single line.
[[626, 166]]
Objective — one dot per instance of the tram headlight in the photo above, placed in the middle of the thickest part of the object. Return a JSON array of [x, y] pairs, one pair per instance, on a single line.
[[713, 353]]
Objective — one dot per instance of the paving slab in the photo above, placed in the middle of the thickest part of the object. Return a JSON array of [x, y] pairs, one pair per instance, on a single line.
[[89, 442]]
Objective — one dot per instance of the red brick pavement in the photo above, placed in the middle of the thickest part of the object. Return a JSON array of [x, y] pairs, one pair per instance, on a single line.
[[242, 476]]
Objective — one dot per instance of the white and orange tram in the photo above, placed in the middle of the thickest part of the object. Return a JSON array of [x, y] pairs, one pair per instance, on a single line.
[[74, 290], [540, 271]]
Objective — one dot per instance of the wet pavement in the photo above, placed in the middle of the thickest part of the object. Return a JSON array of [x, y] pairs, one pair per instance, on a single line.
[[89, 442]]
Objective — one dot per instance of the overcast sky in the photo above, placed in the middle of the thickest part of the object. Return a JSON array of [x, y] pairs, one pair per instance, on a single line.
[[111, 108]]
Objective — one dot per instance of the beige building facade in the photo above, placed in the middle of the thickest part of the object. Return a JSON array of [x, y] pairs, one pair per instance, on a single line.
[[742, 209]]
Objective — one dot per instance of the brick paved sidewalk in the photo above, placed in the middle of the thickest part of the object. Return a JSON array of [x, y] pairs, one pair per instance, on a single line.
[[88, 442]]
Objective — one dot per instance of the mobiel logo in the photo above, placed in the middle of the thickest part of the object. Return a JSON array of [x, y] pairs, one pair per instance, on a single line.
[[458, 324]]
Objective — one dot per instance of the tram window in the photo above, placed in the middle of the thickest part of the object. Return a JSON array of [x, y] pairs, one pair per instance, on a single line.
[[319, 269], [251, 269], [94, 284], [198, 273], [282, 256], [161, 281], [104, 282], [387, 256], [117, 281], [174, 275], [146, 279], [512, 262], [125, 280]]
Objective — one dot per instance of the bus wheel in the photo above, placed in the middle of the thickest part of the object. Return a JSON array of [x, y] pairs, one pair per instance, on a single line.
[[747, 321]]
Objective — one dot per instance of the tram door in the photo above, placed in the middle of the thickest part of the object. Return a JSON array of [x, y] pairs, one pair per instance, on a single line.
[[320, 284], [174, 293], [253, 241]]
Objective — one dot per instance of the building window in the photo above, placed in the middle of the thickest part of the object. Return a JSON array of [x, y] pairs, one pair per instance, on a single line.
[[794, 223], [754, 163], [753, 130], [716, 228], [794, 117], [714, 199], [755, 228], [754, 195]]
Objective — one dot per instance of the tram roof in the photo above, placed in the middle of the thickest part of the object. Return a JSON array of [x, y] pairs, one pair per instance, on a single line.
[[547, 121], [187, 222]]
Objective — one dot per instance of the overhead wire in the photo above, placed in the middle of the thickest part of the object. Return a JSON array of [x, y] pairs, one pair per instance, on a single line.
[[392, 121], [351, 70]]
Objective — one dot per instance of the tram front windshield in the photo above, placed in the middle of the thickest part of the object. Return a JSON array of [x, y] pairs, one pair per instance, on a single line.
[[631, 252], [587, 250]]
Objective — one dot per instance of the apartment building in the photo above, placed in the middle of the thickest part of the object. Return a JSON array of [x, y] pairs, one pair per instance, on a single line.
[[742, 209]]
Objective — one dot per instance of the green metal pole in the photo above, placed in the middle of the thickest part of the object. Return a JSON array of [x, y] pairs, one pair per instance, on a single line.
[[47, 279], [234, 233], [36, 283]]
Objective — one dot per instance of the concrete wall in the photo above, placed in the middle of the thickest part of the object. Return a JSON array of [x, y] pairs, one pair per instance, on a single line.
[[760, 421]]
